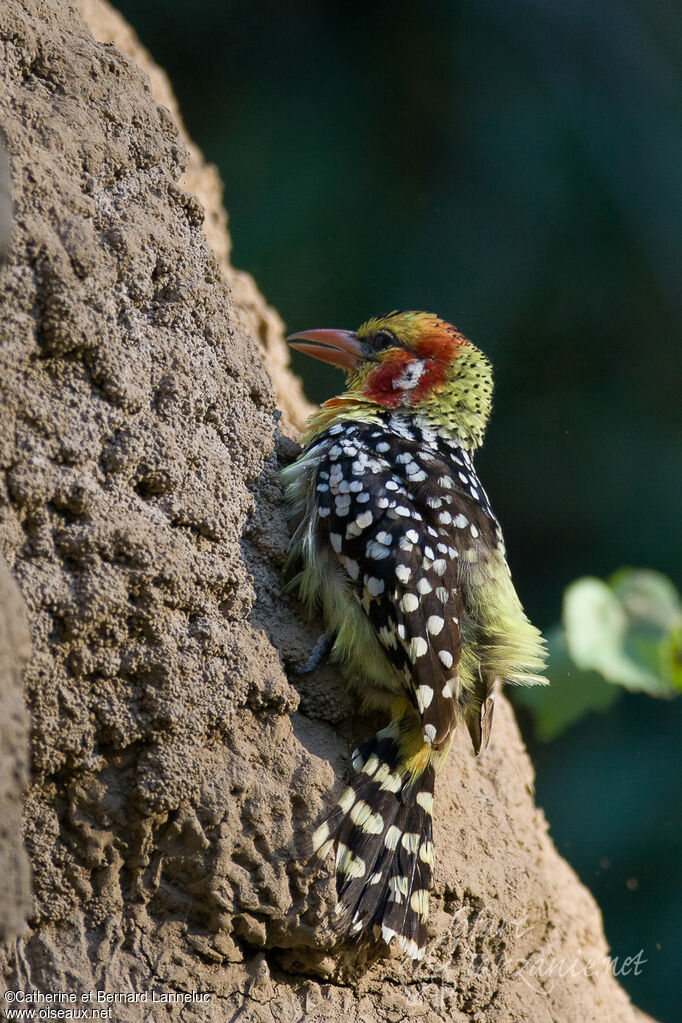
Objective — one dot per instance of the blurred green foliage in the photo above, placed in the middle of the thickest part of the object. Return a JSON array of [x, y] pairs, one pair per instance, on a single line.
[[629, 629], [626, 632], [513, 165]]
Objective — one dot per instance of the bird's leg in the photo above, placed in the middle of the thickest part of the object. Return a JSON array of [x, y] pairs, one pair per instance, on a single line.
[[319, 651]]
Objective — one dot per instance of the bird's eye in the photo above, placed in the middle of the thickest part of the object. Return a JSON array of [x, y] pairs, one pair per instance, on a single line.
[[380, 340]]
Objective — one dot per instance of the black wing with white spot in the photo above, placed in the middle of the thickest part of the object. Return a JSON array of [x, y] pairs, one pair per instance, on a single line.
[[391, 508]]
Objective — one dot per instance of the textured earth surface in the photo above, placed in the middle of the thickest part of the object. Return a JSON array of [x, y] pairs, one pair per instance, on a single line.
[[15, 901], [176, 771]]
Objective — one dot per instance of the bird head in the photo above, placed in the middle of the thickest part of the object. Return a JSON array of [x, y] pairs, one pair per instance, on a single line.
[[410, 362]]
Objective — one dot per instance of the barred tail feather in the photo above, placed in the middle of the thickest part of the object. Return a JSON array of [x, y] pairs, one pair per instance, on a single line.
[[381, 833]]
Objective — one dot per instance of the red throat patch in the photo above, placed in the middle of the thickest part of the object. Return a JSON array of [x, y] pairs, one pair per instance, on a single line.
[[380, 384]]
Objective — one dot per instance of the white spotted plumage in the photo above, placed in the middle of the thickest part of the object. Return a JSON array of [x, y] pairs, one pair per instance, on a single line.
[[402, 552]]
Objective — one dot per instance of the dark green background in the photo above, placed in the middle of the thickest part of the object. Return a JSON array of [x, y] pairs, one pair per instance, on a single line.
[[514, 167]]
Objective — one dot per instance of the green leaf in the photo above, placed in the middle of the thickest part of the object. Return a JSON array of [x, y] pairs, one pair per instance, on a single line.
[[629, 629]]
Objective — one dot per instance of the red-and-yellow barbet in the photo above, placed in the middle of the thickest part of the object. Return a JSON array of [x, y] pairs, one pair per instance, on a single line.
[[399, 549]]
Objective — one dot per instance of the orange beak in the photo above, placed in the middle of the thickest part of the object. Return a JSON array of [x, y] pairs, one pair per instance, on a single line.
[[337, 347]]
